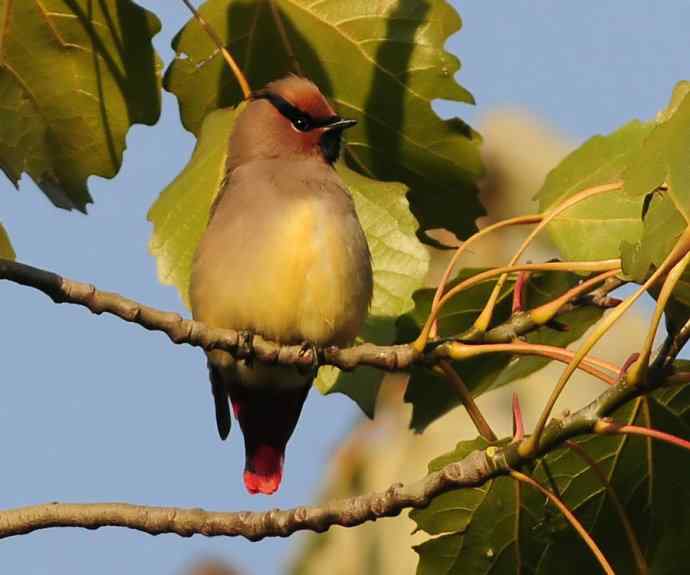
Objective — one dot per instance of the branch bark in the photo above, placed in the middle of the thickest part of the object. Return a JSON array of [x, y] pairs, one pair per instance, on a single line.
[[180, 330], [474, 470], [244, 345], [471, 471]]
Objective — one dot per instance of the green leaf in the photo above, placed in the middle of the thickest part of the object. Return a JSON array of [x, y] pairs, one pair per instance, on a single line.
[[660, 176], [399, 261], [431, 396], [663, 225], [499, 527], [380, 63], [594, 229], [180, 214], [74, 76], [665, 156], [6, 250]]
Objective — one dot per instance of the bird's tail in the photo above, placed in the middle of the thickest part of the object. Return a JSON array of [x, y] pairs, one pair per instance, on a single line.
[[268, 417]]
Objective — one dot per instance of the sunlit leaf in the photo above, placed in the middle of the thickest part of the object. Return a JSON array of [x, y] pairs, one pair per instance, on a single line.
[[74, 76], [380, 63], [665, 156], [660, 175], [594, 229]]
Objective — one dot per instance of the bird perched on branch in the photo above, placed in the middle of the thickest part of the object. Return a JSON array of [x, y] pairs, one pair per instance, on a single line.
[[284, 256]]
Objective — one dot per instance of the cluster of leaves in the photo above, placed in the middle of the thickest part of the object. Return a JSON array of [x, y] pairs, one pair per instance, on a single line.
[[503, 523]]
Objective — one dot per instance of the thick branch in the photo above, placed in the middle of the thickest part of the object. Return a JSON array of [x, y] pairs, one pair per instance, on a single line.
[[471, 471], [475, 469]]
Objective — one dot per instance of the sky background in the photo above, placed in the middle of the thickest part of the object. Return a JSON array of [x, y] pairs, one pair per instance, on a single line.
[[93, 409]]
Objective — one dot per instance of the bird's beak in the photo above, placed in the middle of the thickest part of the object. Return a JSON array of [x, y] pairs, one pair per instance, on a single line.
[[341, 124]]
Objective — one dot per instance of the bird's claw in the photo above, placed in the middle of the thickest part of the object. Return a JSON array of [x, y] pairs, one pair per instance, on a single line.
[[309, 347], [245, 346]]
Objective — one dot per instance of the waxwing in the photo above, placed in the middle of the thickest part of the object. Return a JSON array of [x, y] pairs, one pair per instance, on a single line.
[[283, 256]]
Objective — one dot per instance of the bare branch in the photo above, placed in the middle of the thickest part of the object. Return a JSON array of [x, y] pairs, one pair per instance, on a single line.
[[471, 471]]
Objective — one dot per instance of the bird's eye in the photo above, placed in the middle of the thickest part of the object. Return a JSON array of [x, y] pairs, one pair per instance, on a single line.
[[302, 124]]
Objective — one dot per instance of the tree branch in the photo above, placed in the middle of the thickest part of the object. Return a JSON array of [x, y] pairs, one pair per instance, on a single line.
[[244, 345], [180, 330], [473, 470]]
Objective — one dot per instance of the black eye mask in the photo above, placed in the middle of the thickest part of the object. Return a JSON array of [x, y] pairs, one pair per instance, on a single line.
[[301, 120]]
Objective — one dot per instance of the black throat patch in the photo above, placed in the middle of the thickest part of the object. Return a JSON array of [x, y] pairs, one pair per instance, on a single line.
[[330, 144]]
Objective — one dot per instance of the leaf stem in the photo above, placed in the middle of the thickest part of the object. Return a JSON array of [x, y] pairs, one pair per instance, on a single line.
[[637, 372], [461, 351], [531, 445], [473, 410], [638, 556], [594, 266], [608, 427], [482, 322], [239, 75], [519, 220], [570, 516], [545, 313]]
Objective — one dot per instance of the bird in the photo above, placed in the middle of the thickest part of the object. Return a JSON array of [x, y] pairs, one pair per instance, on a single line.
[[283, 255]]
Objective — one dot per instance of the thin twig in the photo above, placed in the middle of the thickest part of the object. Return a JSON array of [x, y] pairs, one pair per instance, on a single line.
[[570, 516], [591, 266], [608, 427], [461, 351], [482, 322], [520, 324], [218, 41], [441, 288], [637, 372], [638, 556], [680, 249], [471, 407]]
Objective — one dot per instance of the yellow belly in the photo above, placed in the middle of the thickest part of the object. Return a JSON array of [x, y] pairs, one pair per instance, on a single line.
[[304, 279]]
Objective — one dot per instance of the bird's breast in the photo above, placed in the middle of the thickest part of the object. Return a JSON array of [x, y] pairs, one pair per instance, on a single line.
[[303, 275]]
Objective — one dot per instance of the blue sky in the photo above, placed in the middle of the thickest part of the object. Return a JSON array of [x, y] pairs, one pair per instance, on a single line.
[[94, 409]]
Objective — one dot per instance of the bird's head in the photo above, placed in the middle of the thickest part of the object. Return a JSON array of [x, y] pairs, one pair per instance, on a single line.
[[288, 118]]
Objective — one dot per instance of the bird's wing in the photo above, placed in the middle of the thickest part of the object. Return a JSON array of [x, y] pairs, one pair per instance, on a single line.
[[221, 401]]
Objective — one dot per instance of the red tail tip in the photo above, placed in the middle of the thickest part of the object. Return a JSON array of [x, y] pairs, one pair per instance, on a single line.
[[264, 470]]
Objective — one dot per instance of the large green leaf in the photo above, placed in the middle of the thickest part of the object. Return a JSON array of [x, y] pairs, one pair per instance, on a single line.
[[180, 216], [431, 396], [594, 229], [6, 250], [503, 528], [380, 63], [665, 156], [660, 175], [74, 76]]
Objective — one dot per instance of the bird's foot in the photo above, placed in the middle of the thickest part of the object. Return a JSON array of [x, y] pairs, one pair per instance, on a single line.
[[308, 347], [245, 346]]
